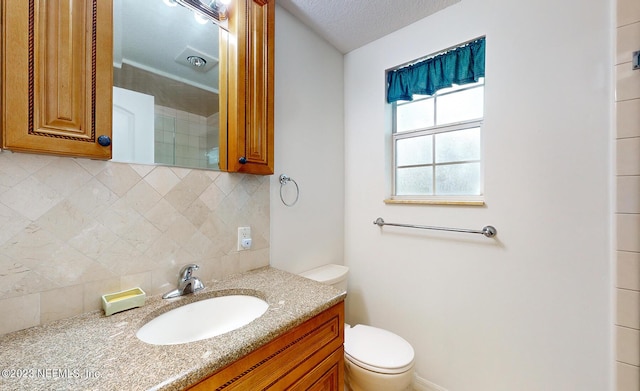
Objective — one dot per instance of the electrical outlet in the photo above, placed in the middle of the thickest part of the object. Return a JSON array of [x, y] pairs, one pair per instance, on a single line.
[[244, 238]]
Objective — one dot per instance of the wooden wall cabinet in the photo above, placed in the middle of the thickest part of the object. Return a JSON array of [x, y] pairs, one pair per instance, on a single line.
[[57, 76], [250, 88], [308, 357]]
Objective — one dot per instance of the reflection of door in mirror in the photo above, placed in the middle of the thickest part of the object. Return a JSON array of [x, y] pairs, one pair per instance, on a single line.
[[167, 55], [133, 123]]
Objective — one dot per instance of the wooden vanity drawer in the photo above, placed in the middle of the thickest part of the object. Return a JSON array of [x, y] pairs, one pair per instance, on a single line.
[[309, 355]]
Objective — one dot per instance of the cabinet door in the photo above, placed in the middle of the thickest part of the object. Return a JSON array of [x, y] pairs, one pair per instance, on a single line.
[[327, 376], [250, 108], [57, 76], [309, 355]]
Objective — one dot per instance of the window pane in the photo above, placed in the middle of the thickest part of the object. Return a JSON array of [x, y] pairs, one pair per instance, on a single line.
[[414, 150], [416, 97], [414, 181], [415, 115], [458, 179], [456, 87], [458, 145], [460, 106]]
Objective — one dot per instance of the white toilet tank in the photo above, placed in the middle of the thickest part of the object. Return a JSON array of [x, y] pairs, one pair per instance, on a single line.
[[335, 275]]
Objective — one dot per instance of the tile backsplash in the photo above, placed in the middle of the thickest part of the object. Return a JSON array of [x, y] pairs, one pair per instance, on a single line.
[[74, 229], [627, 213]]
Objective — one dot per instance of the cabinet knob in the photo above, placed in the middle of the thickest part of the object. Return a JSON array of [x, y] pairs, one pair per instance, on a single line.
[[105, 141], [242, 160]]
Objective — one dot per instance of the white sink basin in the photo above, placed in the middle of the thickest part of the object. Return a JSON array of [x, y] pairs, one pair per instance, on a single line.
[[202, 319]]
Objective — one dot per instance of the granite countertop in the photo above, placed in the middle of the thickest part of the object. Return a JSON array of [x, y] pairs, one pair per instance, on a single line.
[[96, 352]]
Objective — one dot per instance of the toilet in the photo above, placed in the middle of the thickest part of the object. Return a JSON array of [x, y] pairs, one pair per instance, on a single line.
[[375, 359]]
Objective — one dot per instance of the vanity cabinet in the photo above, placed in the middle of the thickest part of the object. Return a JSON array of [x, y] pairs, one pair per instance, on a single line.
[[57, 77], [250, 88], [308, 357]]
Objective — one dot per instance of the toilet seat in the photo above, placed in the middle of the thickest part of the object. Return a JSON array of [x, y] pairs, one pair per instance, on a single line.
[[377, 350]]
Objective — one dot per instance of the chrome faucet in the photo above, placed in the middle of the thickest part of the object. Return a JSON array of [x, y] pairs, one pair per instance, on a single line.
[[187, 283]]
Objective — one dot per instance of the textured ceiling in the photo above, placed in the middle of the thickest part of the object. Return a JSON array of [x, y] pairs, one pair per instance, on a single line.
[[349, 24]]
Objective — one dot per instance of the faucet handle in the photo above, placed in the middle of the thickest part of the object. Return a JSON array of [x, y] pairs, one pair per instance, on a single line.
[[187, 271]]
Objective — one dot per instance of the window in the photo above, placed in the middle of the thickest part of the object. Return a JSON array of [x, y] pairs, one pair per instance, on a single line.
[[437, 143], [437, 148]]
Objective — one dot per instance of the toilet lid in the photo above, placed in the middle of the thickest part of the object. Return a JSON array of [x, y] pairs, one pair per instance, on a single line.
[[377, 349]]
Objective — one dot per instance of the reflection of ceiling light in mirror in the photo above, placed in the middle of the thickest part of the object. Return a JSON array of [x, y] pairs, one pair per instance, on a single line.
[[197, 61], [207, 9], [183, 58], [224, 2], [200, 18], [170, 3]]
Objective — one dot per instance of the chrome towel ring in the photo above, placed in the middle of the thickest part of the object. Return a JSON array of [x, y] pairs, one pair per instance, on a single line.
[[283, 181]]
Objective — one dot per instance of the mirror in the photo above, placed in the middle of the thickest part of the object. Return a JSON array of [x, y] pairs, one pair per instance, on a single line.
[[214, 9], [166, 85]]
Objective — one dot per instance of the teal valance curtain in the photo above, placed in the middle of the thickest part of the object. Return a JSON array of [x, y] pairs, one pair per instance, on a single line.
[[462, 65]]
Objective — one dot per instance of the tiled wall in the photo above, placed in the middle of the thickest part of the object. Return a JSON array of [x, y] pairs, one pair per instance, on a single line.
[[183, 138], [74, 229], [628, 197]]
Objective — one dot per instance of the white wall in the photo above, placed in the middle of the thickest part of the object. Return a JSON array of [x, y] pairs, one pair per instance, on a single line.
[[530, 310], [309, 147]]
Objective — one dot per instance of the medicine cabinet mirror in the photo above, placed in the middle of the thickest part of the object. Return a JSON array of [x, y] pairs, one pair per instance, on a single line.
[[58, 73], [165, 85]]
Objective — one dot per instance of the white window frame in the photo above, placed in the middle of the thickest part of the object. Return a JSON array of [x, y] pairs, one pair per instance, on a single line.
[[432, 130]]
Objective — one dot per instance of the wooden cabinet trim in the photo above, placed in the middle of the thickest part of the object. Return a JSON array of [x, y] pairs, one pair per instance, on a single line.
[[76, 120]]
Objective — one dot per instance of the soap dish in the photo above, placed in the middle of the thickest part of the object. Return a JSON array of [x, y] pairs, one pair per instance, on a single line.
[[120, 301]]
